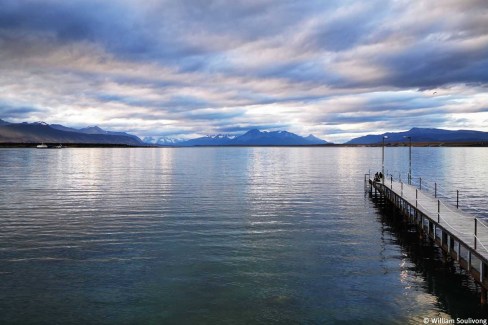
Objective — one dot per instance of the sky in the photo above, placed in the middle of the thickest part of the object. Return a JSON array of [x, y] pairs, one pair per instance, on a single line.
[[187, 68]]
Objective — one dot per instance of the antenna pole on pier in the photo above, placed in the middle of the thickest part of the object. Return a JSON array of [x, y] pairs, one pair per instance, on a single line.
[[383, 158]]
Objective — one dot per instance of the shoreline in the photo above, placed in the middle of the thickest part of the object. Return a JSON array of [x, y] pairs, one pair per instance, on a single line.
[[103, 145]]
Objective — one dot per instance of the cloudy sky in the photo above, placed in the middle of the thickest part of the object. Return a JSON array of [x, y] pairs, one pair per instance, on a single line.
[[183, 68]]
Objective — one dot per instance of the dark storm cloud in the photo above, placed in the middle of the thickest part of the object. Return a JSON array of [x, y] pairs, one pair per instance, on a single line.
[[428, 66], [117, 27], [67, 20], [16, 113]]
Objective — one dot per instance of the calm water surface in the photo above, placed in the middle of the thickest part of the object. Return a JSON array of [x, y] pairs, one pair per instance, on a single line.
[[222, 236]]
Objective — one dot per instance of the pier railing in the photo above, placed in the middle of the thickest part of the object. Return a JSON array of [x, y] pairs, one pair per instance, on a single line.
[[469, 201]]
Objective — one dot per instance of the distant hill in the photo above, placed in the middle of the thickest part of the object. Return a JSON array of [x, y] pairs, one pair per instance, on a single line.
[[98, 130], [314, 140], [255, 138], [2, 122], [424, 135], [41, 132], [63, 128]]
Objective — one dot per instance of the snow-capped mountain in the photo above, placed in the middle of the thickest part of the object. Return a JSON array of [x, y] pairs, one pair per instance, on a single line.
[[162, 141], [255, 138], [271, 138], [210, 140]]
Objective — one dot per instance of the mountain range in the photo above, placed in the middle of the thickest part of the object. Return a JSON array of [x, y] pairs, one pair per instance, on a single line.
[[427, 135], [38, 132], [42, 132], [255, 137]]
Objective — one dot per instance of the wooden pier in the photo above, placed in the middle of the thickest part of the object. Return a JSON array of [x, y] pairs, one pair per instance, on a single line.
[[460, 235]]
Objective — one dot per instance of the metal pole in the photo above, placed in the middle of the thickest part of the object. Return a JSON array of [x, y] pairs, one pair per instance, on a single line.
[[421, 183], [475, 231], [416, 197], [409, 159], [435, 190], [402, 188], [391, 182], [410, 162], [383, 160]]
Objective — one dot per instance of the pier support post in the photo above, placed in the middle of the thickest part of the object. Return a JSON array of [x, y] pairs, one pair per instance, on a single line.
[[469, 260], [459, 251], [421, 232], [482, 272], [484, 299]]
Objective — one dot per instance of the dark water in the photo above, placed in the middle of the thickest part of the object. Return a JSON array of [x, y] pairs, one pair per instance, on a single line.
[[221, 236]]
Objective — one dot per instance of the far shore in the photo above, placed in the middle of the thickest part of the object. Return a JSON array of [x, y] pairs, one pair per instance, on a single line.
[[102, 145]]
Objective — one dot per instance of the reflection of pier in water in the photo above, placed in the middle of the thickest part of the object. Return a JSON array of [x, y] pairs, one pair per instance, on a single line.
[[460, 235]]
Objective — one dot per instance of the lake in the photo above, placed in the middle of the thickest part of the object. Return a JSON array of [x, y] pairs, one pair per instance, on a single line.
[[261, 235]]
